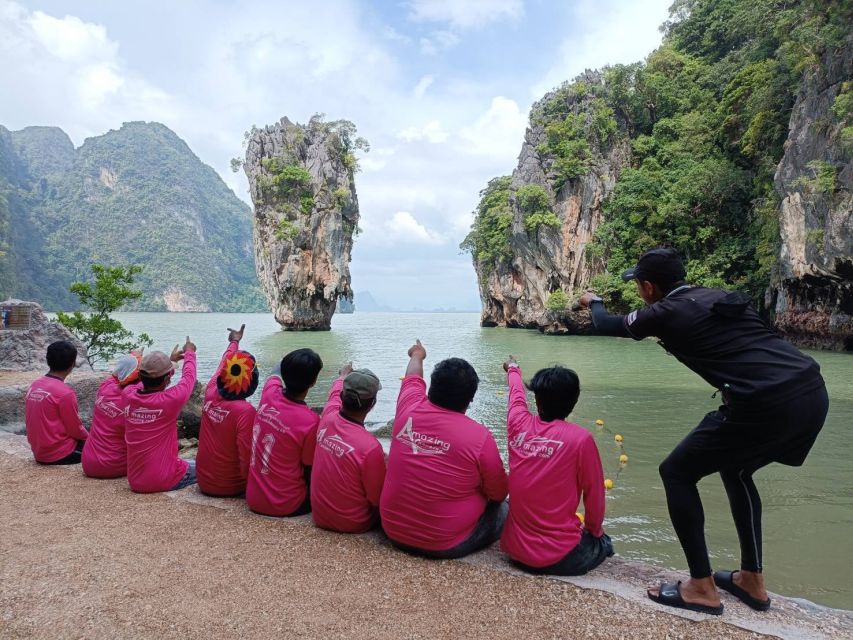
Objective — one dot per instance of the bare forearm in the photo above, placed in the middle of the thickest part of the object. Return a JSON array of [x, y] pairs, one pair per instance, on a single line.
[[416, 367]]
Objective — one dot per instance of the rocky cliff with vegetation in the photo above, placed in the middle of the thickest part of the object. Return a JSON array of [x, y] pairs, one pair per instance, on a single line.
[[687, 148], [811, 297], [301, 179], [137, 195]]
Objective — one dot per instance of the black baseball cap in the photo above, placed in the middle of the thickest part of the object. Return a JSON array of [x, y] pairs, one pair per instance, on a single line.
[[661, 266]]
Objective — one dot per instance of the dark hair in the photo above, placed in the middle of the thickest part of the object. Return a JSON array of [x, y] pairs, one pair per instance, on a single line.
[[299, 370], [153, 383], [351, 402], [453, 384], [556, 389], [61, 355]]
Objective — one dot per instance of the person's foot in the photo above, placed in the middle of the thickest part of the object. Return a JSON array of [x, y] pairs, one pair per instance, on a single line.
[[751, 582], [694, 591]]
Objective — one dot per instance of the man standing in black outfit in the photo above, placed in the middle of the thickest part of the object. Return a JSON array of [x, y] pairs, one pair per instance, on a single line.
[[774, 405]]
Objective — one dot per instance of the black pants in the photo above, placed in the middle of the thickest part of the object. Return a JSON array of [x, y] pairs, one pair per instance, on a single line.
[[488, 530], [73, 457], [586, 556], [736, 442]]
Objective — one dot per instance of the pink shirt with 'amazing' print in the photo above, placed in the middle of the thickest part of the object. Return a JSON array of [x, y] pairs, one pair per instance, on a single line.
[[443, 467], [551, 465]]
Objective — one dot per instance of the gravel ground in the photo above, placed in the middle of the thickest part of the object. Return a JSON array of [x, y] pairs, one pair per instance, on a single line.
[[81, 558]]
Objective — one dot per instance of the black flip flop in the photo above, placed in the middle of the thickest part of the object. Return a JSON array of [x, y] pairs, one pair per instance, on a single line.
[[670, 595], [725, 581]]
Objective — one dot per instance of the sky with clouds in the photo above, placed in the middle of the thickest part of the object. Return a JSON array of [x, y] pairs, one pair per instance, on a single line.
[[440, 88]]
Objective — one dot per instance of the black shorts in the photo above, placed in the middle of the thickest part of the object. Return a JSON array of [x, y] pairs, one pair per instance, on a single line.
[[744, 437]]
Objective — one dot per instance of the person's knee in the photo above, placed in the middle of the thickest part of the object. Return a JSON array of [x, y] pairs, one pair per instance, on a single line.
[[676, 470]]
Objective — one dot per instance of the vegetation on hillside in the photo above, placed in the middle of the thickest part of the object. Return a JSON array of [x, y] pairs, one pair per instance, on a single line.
[[707, 114], [137, 195], [103, 335]]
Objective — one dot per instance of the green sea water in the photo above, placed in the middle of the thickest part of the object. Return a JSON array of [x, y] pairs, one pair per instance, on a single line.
[[639, 392]]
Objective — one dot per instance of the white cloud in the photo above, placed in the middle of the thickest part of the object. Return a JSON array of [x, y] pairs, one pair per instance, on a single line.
[[70, 38], [403, 227], [423, 84], [437, 42], [465, 14], [499, 132], [619, 32], [431, 132]]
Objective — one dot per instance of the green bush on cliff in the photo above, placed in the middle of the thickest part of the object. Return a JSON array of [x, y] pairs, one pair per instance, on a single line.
[[285, 230], [535, 206], [488, 239], [557, 301]]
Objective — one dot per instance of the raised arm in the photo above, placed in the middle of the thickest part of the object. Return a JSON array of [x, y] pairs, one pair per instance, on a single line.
[[333, 401], [234, 338], [182, 391], [517, 410], [417, 355]]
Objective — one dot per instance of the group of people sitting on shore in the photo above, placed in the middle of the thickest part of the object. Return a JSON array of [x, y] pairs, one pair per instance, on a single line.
[[441, 492]]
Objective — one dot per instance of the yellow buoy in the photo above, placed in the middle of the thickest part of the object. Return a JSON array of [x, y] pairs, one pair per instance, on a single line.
[[608, 484], [599, 422], [500, 393], [580, 516], [623, 459], [618, 438]]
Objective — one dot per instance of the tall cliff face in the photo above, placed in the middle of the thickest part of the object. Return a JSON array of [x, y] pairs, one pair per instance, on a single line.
[[811, 296], [555, 198], [306, 214]]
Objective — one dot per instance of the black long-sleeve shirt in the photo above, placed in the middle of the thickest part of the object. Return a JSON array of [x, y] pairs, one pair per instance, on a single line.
[[720, 337]]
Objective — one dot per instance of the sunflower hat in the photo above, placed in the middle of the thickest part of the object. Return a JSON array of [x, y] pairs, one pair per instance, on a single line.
[[238, 378]]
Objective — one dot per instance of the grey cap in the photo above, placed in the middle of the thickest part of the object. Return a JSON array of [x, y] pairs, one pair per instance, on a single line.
[[361, 384]]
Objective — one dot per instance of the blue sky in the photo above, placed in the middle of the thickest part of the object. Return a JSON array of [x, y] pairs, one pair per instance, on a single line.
[[440, 88]]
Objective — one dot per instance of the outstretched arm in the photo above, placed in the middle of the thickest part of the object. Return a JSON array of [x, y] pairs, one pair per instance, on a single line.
[[517, 411], [605, 324]]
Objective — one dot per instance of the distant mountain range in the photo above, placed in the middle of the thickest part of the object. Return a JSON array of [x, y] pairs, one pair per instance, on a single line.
[[137, 195]]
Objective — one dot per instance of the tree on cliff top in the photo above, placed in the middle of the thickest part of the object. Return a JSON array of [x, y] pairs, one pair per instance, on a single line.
[[104, 336]]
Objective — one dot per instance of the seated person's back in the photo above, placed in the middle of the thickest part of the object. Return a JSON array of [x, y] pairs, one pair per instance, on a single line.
[[283, 439], [105, 453], [552, 463], [151, 427], [349, 464], [54, 428], [443, 468], [225, 434]]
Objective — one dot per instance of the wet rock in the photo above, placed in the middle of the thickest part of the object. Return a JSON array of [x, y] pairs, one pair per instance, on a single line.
[[811, 293], [306, 214], [24, 344], [565, 323], [189, 421]]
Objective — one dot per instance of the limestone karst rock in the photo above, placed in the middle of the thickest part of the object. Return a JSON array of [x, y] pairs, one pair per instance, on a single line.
[[306, 214], [515, 287], [811, 296]]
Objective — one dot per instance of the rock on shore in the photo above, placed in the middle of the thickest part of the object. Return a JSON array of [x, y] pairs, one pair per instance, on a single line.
[[23, 348]]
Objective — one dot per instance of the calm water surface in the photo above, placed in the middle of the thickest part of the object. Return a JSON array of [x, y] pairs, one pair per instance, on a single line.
[[636, 388]]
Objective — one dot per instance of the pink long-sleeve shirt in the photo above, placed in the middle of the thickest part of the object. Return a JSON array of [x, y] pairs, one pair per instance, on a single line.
[[283, 440], [53, 423], [151, 433], [443, 467], [105, 453], [551, 464], [348, 471], [224, 440]]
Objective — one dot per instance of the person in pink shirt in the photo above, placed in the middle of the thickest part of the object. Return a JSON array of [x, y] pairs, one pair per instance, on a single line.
[[54, 428], [105, 454], [151, 427], [225, 437], [349, 464], [283, 439], [445, 486], [552, 463]]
